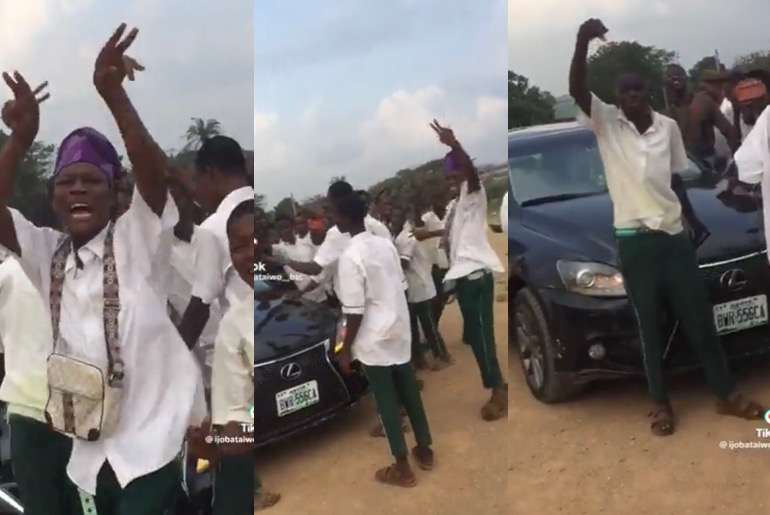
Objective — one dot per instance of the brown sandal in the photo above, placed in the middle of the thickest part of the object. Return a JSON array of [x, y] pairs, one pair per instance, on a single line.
[[390, 476], [740, 406], [662, 420], [264, 500], [425, 463]]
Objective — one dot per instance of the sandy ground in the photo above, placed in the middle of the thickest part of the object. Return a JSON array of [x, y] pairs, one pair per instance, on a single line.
[[330, 470], [596, 455]]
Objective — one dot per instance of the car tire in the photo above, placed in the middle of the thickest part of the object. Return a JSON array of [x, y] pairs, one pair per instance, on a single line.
[[530, 323]]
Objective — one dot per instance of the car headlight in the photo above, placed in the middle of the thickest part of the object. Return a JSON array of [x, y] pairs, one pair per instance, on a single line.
[[339, 337], [594, 279]]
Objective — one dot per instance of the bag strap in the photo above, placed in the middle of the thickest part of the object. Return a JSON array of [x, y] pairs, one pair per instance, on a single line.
[[115, 365]]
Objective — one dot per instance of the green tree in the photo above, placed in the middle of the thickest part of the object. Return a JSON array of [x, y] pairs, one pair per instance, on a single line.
[[260, 201], [616, 58], [32, 176], [337, 178], [527, 105], [706, 63], [201, 130], [755, 60]]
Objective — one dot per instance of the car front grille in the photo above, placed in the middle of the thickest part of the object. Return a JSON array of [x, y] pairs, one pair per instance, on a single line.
[[754, 268], [316, 365]]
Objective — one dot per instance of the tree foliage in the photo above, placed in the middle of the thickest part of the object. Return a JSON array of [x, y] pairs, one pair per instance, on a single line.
[[201, 130], [616, 58], [527, 104], [755, 60], [706, 63]]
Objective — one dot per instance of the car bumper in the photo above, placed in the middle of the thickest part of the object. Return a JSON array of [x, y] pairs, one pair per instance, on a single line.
[[579, 323], [336, 393]]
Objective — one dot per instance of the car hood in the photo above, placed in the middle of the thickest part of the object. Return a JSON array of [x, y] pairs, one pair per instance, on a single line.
[[284, 327], [583, 226]]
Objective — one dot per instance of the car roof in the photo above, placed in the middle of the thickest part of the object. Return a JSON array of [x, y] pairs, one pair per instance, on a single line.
[[529, 135]]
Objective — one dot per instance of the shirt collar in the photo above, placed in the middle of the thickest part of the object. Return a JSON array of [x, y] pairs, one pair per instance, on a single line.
[[94, 246], [656, 119], [234, 198]]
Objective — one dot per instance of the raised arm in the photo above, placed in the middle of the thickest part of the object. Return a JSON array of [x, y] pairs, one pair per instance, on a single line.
[[724, 126], [148, 161], [22, 116], [462, 161], [578, 84]]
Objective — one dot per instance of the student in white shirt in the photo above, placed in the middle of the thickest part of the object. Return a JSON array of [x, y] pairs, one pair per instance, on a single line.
[[433, 220], [417, 259], [232, 394], [291, 247], [753, 162], [472, 262], [335, 242], [378, 337], [39, 453], [301, 228], [95, 277], [642, 152], [221, 183]]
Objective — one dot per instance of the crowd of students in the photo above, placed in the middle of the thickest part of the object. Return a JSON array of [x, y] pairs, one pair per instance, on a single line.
[[355, 253], [101, 304]]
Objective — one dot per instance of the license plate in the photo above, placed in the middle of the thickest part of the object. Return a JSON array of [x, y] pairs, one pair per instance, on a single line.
[[741, 314], [297, 398]]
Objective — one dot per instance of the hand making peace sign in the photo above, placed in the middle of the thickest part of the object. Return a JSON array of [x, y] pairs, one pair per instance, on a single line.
[[445, 134], [22, 114], [113, 65]]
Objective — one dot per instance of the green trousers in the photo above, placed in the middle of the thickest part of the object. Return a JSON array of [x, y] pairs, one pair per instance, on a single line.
[[475, 295], [393, 387], [40, 456], [152, 494], [439, 301], [421, 315], [234, 485], [658, 270]]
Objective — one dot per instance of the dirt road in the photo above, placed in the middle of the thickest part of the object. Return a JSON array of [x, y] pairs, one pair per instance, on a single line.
[[596, 455], [331, 470]]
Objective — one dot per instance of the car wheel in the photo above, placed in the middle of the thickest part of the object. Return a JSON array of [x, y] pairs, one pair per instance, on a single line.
[[536, 349]]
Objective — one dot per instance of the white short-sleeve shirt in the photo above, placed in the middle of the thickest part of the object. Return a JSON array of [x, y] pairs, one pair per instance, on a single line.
[[335, 243], [163, 390], [215, 277], [638, 167], [368, 270], [419, 279], [232, 393], [26, 345], [469, 248]]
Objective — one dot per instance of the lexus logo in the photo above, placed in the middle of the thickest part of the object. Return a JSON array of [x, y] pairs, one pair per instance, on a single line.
[[733, 280], [291, 371]]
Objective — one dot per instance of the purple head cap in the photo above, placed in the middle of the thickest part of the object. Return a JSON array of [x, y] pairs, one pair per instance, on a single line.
[[87, 145], [450, 163]]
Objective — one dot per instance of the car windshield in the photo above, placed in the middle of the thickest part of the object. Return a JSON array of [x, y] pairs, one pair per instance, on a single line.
[[558, 166]]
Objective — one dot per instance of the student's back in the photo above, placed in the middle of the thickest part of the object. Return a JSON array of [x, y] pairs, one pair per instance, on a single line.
[[385, 312]]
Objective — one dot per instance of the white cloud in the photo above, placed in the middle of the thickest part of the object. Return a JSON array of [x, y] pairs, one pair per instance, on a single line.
[[395, 135], [188, 73]]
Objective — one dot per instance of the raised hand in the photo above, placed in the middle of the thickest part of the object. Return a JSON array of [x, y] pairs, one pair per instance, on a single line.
[[112, 65], [445, 134], [22, 114], [592, 29]]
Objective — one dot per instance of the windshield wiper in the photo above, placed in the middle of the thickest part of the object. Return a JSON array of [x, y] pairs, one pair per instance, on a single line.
[[560, 197]]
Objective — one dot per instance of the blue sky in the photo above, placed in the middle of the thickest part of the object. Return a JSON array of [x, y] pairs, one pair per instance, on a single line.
[[198, 56], [347, 87], [691, 27]]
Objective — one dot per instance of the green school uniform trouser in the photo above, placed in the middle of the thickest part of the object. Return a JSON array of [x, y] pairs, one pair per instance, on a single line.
[[40, 456], [439, 301], [661, 269], [421, 315], [393, 387], [475, 295], [235, 485], [151, 494]]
